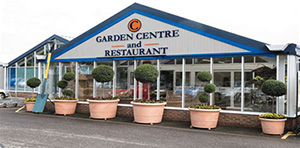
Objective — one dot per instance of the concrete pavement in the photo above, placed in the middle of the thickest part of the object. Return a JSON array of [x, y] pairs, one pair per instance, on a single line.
[[40, 130]]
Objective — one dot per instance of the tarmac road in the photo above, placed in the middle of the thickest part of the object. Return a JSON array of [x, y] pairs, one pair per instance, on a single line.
[[29, 130]]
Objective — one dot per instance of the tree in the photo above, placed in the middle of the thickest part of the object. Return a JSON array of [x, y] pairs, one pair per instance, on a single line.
[[274, 89], [62, 84], [103, 73], [146, 73], [68, 76], [33, 83], [67, 92], [206, 76]]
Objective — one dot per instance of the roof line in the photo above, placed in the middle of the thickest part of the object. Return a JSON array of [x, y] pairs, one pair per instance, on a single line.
[[37, 47], [218, 34]]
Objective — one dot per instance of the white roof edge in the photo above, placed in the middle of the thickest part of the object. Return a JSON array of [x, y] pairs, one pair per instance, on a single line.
[[277, 47]]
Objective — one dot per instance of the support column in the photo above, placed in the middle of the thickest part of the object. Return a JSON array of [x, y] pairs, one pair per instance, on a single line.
[[16, 80], [45, 49], [134, 83], [44, 69], [40, 74], [183, 84], [114, 78], [280, 76], [94, 83], [76, 80], [34, 67], [291, 85], [25, 72], [34, 64], [140, 90], [242, 83], [232, 92], [8, 78], [59, 77], [158, 80], [211, 81], [4, 78]]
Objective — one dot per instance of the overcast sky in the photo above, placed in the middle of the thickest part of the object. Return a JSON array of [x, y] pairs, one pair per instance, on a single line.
[[25, 23]]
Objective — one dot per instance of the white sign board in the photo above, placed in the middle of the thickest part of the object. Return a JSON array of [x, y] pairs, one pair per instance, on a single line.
[[138, 35]]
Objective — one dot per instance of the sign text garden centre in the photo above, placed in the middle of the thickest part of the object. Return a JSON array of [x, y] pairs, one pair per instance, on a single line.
[[139, 35], [136, 48]]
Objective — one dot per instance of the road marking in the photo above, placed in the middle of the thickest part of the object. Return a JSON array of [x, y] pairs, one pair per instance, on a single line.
[[287, 135]]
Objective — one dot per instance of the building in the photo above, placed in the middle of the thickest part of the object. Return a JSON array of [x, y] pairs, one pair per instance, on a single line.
[[27, 65], [179, 48]]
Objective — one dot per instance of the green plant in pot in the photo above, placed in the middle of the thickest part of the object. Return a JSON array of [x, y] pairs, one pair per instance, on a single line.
[[65, 105], [102, 74], [64, 84], [30, 102], [69, 76], [146, 110], [33, 83], [146, 73], [103, 107], [273, 123], [204, 115]]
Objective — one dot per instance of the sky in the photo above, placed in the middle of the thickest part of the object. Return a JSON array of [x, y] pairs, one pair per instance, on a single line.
[[26, 23]]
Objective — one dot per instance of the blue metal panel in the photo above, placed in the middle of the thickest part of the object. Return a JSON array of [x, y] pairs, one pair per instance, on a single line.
[[223, 36], [168, 57]]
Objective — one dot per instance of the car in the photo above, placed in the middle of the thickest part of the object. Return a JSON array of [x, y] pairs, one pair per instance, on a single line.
[[3, 94]]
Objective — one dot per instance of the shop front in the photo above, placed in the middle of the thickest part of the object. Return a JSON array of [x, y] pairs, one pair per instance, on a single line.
[[179, 48]]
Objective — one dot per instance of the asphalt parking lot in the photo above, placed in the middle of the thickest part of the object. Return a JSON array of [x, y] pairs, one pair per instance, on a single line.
[[29, 130]]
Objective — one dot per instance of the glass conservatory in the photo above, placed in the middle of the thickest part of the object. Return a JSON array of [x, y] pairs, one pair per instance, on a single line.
[[179, 48]]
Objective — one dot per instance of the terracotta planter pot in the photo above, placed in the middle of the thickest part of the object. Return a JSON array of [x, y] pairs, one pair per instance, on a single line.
[[148, 112], [204, 118], [29, 106], [65, 107], [103, 109], [272, 126]]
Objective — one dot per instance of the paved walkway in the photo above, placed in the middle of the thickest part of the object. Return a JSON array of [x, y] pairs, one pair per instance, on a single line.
[[12, 100], [46, 130]]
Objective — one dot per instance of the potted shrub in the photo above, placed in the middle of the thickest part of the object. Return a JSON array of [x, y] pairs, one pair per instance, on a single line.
[[147, 111], [65, 105], [30, 102], [104, 107], [273, 123], [204, 115]]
